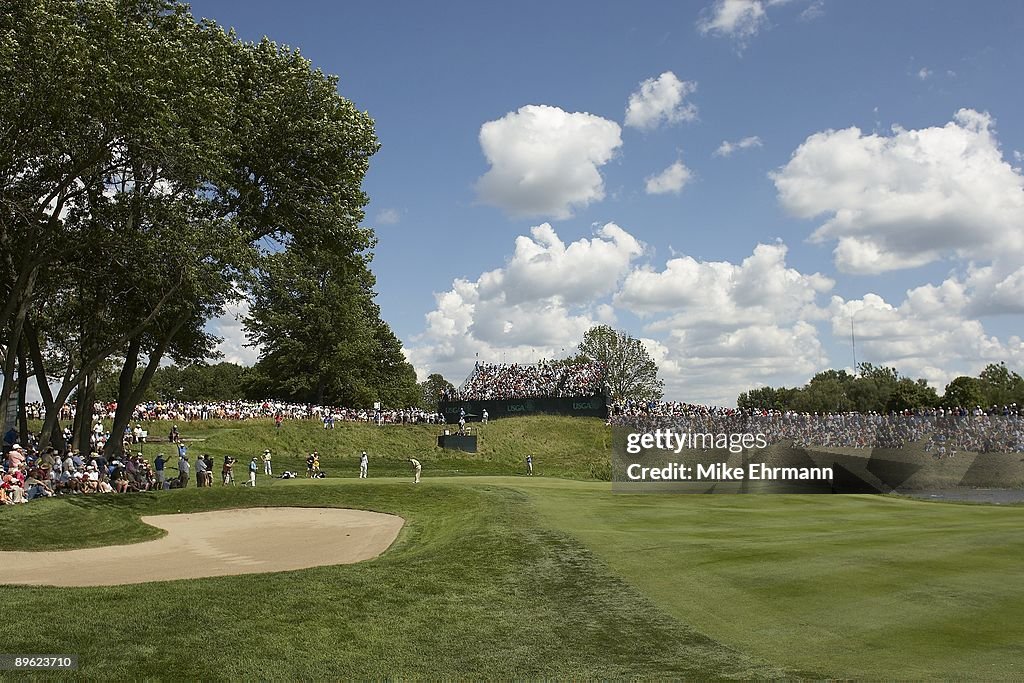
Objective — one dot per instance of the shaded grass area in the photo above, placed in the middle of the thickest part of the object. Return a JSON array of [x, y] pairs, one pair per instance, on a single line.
[[561, 446], [850, 586], [475, 586]]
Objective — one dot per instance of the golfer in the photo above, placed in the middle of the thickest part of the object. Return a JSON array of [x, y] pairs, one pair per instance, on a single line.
[[416, 468], [184, 469], [253, 466], [529, 465], [364, 462], [161, 476]]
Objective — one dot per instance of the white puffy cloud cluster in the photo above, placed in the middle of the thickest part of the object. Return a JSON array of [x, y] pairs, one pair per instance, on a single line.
[[723, 293], [661, 100], [931, 334], [542, 266], [910, 198], [729, 327], [714, 328], [538, 305], [671, 180], [545, 161]]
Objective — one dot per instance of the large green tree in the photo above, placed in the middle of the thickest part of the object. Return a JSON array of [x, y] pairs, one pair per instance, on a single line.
[[321, 339], [630, 372], [147, 163], [1001, 386], [433, 388]]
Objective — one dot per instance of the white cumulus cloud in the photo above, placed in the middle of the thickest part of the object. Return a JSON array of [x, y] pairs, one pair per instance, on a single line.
[[728, 327], [538, 305], [909, 198], [543, 266], [727, 148], [232, 332], [734, 18], [723, 294], [671, 180], [929, 335], [545, 161], [661, 100]]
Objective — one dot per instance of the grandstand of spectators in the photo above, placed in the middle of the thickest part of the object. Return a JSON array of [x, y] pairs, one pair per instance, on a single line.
[[945, 431], [546, 379]]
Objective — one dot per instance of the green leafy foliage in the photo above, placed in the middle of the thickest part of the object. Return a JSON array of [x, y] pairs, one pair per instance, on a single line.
[[432, 388], [151, 164], [630, 372], [883, 389], [322, 340]]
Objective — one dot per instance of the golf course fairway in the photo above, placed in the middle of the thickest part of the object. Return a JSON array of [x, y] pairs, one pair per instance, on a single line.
[[531, 577]]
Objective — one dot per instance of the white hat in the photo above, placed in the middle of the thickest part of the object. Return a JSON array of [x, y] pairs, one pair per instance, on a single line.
[[16, 447]]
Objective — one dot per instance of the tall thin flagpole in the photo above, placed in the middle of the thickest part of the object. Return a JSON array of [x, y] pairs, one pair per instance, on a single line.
[[853, 341]]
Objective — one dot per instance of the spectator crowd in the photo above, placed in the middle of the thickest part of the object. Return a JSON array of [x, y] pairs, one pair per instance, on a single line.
[[185, 411], [942, 431], [546, 379], [29, 473]]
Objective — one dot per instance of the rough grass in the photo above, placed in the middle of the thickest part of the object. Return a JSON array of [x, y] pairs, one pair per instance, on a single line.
[[474, 587]]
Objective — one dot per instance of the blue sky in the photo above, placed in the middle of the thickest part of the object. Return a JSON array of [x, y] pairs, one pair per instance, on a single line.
[[548, 166]]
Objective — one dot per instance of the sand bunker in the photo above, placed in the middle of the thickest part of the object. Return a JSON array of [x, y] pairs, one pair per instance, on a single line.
[[221, 543]]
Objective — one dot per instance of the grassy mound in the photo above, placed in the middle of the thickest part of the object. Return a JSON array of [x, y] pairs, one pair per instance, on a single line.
[[561, 446]]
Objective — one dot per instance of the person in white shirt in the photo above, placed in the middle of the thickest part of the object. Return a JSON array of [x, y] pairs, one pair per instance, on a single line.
[[200, 472], [184, 469], [416, 468], [266, 463], [364, 462]]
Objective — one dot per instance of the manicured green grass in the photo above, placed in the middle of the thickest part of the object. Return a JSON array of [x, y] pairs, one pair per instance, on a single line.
[[475, 587], [498, 576], [848, 586]]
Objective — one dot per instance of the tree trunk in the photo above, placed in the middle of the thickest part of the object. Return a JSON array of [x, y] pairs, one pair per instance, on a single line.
[[17, 325], [22, 390], [123, 413], [129, 396], [86, 399], [71, 379], [51, 432]]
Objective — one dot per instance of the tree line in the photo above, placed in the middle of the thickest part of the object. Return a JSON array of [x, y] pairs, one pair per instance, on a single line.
[[155, 169], [884, 389]]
